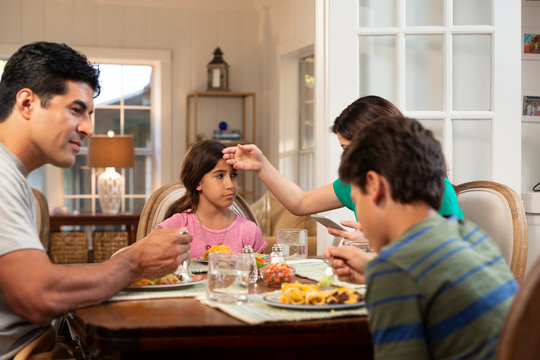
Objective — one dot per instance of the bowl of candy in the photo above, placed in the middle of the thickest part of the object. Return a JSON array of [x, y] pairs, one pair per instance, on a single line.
[[277, 274]]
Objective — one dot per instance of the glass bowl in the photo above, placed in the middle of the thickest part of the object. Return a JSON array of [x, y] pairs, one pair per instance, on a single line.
[[277, 274]]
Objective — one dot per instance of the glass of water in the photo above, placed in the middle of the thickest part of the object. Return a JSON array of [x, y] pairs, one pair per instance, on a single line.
[[293, 243], [228, 277]]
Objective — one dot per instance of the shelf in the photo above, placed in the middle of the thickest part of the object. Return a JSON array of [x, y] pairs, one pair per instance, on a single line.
[[193, 124]]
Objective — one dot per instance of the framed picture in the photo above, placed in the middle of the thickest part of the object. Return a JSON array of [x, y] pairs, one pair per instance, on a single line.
[[530, 43], [531, 108]]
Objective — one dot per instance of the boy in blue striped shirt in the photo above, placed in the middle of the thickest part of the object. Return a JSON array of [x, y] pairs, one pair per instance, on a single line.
[[439, 288]]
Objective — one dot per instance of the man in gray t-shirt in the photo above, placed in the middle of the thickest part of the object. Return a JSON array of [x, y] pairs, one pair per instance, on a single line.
[[46, 98]]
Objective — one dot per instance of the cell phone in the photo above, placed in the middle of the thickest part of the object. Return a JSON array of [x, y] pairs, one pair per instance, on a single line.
[[328, 222]]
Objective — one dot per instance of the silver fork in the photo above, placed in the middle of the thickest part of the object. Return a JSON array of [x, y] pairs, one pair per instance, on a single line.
[[183, 269], [329, 276]]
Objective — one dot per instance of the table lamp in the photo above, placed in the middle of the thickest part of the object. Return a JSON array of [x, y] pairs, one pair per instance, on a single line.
[[110, 152]]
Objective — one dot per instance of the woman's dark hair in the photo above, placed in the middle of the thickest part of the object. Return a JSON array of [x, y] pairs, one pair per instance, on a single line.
[[44, 68], [360, 113], [200, 159], [405, 153]]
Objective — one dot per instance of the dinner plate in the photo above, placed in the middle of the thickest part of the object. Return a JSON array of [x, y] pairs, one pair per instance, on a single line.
[[196, 279], [273, 300]]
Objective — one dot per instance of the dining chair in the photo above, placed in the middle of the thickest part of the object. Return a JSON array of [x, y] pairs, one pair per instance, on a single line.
[[499, 211], [42, 217], [519, 335], [156, 207]]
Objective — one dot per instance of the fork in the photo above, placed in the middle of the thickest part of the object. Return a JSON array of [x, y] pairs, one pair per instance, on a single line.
[[183, 269], [329, 277]]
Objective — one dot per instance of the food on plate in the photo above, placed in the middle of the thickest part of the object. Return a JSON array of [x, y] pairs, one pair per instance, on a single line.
[[166, 280], [303, 294], [277, 274], [217, 248]]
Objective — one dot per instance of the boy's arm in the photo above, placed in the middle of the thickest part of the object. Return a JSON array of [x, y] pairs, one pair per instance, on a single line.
[[396, 315]]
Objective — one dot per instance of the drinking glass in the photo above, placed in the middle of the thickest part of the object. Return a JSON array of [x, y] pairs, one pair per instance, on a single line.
[[364, 245], [228, 277], [293, 243]]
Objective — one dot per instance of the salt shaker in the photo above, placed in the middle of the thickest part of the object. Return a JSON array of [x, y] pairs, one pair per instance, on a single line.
[[276, 256], [253, 273]]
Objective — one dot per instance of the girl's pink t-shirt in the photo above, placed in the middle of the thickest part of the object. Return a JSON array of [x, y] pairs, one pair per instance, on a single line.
[[241, 232]]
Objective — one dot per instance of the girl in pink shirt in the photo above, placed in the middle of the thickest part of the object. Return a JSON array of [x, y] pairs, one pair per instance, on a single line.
[[211, 186]]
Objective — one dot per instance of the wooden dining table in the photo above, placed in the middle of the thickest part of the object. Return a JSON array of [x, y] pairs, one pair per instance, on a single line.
[[185, 328]]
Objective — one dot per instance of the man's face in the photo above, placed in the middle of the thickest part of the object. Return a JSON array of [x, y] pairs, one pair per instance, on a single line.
[[60, 127]]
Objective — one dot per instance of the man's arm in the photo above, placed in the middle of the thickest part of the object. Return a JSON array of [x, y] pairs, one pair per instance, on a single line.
[[39, 291], [298, 202]]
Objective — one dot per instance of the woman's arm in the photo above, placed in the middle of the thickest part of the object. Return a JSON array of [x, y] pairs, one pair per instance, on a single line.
[[298, 202]]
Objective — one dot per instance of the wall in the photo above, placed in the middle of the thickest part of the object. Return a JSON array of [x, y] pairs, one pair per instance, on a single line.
[[530, 134], [189, 29]]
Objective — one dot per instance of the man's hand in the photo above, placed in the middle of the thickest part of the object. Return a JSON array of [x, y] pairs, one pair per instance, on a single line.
[[159, 253], [356, 235], [244, 157], [349, 263]]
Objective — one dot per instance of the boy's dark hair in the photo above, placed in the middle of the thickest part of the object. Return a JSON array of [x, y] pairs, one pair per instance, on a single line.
[[405, 153], [362, 112], [44, 68], [200, 159]]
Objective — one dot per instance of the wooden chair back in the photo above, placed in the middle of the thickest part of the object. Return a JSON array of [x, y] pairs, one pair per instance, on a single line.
[[42, 217], [520, 334], [499, 211], [156, 207]]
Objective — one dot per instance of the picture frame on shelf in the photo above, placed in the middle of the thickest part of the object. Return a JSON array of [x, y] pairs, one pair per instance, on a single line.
[[530, 107], [530, 43]]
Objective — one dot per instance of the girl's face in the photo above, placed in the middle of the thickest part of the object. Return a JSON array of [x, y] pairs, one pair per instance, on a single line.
[[219, 186]]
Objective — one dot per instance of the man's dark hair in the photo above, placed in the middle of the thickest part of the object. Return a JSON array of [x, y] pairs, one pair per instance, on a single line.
[[360, 113], [405, 153], [44, 68]]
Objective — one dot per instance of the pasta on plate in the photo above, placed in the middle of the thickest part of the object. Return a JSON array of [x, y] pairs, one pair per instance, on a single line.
[[304, 294]]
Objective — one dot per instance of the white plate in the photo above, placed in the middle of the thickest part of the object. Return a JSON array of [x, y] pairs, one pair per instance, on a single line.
[[273, 300], [201, 260], [196, 280]]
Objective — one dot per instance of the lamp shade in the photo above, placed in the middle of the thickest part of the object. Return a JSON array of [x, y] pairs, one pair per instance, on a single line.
[[115, 151]]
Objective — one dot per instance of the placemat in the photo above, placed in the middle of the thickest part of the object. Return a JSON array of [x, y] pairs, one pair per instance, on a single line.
[[186, 291], [255, 311], [314, 269], [197, 267]]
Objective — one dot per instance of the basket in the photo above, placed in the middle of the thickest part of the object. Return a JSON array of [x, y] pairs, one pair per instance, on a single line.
[[68, 247], [107, 243]]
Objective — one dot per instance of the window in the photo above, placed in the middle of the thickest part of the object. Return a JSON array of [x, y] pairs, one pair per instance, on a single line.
[[306, 151], [124, 106]]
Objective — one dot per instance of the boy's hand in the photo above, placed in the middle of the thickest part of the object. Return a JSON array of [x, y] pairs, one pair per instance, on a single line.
[[349, 263]]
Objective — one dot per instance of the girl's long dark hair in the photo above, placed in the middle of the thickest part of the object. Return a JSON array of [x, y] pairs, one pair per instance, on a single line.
[[200, 159]]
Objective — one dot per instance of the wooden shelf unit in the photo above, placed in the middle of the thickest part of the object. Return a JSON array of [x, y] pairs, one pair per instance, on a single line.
[[191, 136]]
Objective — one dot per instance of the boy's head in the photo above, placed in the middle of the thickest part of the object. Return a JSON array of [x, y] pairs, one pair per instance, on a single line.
[[44, 68], [400, 153]]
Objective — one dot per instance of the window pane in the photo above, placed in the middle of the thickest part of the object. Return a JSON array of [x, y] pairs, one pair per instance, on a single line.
[[2, 64], [436, 126], [309, 79], [424, 13], [377, 66], [307, 131], [136, 178], [78, 180], [137, 84], [477, 12], [377, 13], [305, 172], [137, 123], [424, 72], [84, 206], [111, 85], [35, 179], [107, 119], [134, 205], [472, 150], [472, 72]]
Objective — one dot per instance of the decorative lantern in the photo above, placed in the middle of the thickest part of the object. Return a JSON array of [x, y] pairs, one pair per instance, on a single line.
[[218, 72]]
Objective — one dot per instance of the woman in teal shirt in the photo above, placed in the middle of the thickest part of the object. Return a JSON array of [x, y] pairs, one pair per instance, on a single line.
[[331, 196]]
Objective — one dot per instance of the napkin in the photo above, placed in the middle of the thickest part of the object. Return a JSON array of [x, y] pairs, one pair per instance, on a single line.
[[314, 269]]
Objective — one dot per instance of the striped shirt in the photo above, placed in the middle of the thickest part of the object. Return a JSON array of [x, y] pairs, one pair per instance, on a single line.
[[440, 291]]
